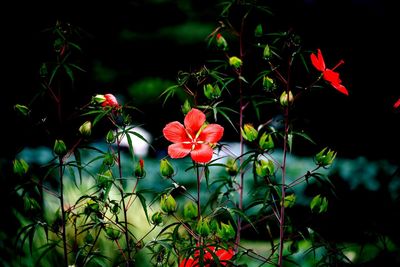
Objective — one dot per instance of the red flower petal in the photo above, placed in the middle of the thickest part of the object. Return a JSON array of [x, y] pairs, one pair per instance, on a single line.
[[318, 61], [175, 132], [331, 76], [340, 88], [194, 120], [188, 263], [179, 150], [202, 153], [212, 133], [110, 101], [224, 255], [397, 104]]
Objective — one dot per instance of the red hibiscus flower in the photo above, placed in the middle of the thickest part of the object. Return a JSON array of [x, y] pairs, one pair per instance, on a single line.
[[195, 138], [329, 75], [397, 104], [110, 101], [222, 254]]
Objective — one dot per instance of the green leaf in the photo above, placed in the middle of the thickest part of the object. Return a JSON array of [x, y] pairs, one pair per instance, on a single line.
[[143, 202], [69, 72], [53, 74], [290, 141], [304, 135], [76, 67]]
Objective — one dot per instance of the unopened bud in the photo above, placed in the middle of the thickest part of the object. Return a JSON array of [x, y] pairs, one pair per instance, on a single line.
[[286, 99], [166, 169], [113, 234], [168, 204], [186, 107], [105, 179], [258, 31], [98, 99], [289, 200], [266, 142], [203, 228], [268, 83], [226, 231], [20, 167], [235, 62], [221, 42], [319, 204], [211, 92], [265, 168], [110, 138], [190, 210], [139, 169], [109, 159], [157, 218], [325, 157], [86, 128], [267, 52], [60, 148], [249, 132], [232, 167]]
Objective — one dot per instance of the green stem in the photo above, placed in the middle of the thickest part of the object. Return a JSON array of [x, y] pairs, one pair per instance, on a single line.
[[198, 190], [126, 232], [64, 238]]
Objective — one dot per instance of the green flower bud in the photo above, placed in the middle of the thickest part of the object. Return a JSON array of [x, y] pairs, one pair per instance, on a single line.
[[98, 99], [91, 206], [319, 204], [127, 119], [265, 168], [43, 71], [235, 62], [211, 92], [190, 210], [168, 204], [86, 128], [20, 167], [157, 218], [108, 159], [325, 158], [60, 148], [105, 179], [249, 132], [110, 137], [267, 52], [226, 231], [113, 234], [258, 31], [232, 167], [166, 169], [139, 170], [221, 42], [268, 83], [289, 200], [24, 110], [186, 107], [203, 228], [266, 142], [286, 99]]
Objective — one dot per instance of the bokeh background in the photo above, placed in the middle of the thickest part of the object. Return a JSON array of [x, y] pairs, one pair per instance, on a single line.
[[135, 49]]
